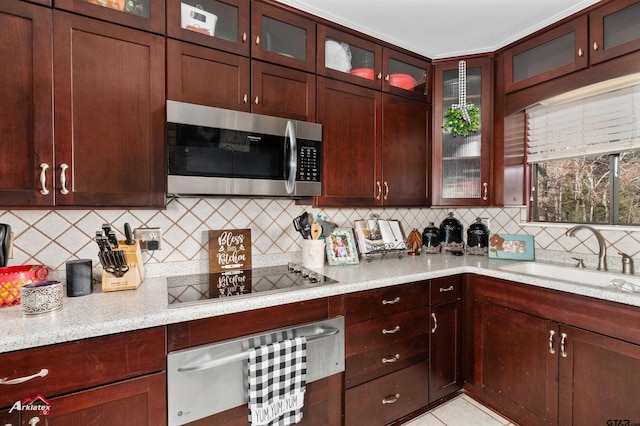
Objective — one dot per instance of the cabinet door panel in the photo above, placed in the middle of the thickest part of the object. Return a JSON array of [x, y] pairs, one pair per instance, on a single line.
[[207, 77], [283, 92], [109, 113], [26, 116], [598, 379], [404, 151], [445, 354], [350, 116], [517, 369], [614, 30], [135, 402]]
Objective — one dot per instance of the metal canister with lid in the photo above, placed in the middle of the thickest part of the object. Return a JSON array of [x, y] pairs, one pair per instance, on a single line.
[[478, 238], [431, 239], [451, 235]]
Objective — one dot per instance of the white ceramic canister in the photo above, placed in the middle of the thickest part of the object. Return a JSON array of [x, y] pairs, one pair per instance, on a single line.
[[313, 252]]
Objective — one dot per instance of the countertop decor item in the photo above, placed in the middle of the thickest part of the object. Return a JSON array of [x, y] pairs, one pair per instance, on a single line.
[[12, 278], [462, 118], [514, 247], [41, 297], [478, 238], [414, 242], [341, 247]]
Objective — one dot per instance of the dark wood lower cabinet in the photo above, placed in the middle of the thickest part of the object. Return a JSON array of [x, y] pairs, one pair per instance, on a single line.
[[445, 372], [546, 357], [389, 397], [135, 402]]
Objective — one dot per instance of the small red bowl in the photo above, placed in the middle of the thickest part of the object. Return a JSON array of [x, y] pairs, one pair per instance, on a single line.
[[363, 72], [403, 81]]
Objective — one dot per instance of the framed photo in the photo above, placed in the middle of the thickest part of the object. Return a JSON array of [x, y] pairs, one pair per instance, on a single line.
[[341, 247], [513, 247]]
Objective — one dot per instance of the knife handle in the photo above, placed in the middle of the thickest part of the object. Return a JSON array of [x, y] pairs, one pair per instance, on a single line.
[[129, 235]]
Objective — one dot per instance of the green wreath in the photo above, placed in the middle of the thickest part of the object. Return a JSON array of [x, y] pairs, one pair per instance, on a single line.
[[456, 125]]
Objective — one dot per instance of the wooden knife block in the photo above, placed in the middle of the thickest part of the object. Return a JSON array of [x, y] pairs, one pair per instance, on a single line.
[[133, 277]]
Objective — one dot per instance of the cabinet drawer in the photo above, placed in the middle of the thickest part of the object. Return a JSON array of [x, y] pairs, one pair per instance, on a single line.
[[388, 398], [82, 364], [445, 289], [367, 305], [392, 329], [377, 362]]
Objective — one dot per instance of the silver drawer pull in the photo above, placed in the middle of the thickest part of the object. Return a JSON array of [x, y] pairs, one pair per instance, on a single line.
[[551, 348], [19, 380], [391, 399], [563, 349], [450, 288], [391, 302], [394, 330], [43, 178], [392, 359]]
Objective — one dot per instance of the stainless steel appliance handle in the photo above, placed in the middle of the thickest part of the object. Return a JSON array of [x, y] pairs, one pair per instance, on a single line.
[[291, 156], [324, 332]]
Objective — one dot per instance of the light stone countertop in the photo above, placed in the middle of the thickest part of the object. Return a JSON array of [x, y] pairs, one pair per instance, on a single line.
[[101, 314]]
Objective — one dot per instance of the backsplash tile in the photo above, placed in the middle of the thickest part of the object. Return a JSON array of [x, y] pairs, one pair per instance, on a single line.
[[53, 237]]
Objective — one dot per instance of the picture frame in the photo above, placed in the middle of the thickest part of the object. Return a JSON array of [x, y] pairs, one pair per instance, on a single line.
[[511, 247], [341, 247]]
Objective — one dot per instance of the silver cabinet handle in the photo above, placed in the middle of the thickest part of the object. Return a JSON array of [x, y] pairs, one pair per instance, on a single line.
[[34, 421], [386, 77], [386, 190], [580, 52], [563, 351], [392, 359], [257, 39], [551, 348], [244, 36], [595, 45], [63, 178], [443, 290], [391, 399], [391, 302], [392, 331], [43, 179], [245, 98], [379, 190], [19, 380], [485, 187], [379, 76], [435, 323], [257, 100]]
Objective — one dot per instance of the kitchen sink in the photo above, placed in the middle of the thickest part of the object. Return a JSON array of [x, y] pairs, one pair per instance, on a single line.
[[575, 275]]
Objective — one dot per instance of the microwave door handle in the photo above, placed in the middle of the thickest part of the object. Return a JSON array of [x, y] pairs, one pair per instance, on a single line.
[[290, 156]]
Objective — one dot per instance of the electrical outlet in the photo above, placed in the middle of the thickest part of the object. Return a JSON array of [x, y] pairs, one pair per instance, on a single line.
[[150, 238]]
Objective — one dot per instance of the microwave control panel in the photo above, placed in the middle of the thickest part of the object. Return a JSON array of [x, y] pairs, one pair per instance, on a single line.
[[309, 163]]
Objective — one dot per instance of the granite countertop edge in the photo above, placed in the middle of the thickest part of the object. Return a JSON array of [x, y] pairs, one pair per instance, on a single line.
[[100, 314]]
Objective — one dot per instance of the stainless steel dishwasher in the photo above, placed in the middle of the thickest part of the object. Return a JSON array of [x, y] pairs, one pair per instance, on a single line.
[[210, 379]]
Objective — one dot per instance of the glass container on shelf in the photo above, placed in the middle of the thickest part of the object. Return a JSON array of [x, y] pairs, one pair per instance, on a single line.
[[461, 156]]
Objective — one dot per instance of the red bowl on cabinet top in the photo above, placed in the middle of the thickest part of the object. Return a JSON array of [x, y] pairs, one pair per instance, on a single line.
[[363, 72], [403, 81]]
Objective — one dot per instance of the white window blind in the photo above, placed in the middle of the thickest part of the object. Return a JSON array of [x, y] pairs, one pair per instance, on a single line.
[[601, 124]]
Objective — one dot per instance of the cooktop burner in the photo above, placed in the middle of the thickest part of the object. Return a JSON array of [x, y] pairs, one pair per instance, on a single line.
[[191, 289]]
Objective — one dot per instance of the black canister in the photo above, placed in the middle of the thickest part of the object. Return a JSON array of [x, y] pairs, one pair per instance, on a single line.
[[478, 238], [431, 239], [451, 235]]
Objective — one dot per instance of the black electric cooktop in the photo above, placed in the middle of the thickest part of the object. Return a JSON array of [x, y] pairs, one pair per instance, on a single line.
[[191, 289]]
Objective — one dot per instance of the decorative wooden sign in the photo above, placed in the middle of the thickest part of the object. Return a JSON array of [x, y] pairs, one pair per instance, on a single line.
[[229, 249]]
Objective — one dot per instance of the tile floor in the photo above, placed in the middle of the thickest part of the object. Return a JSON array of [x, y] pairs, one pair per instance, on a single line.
[[460, 411]]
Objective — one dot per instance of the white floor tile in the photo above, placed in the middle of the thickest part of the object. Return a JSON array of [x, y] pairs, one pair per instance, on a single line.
[[460, 411], [425, 420]]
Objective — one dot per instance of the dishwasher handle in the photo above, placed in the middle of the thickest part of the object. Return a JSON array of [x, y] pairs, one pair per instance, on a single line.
[[241, 356]]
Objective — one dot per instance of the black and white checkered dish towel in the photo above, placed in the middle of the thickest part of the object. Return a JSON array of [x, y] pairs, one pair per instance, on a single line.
[[277, 382]]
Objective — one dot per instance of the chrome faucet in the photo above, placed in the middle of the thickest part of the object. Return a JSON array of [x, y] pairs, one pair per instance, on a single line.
[[602, 246]]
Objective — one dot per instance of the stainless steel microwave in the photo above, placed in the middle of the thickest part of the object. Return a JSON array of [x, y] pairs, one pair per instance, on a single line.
[[214, 151]]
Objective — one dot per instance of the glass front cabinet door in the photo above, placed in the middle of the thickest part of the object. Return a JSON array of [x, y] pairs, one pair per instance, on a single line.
[[461, 164], [406, 75], [221, 24]]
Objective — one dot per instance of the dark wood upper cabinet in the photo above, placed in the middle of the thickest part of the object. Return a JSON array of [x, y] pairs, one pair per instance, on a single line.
[[221, 24], [282, 37], [109, 114], [147, 16], [554, 53], [406, 75], [26, 115], [203, 76], [614, 29]]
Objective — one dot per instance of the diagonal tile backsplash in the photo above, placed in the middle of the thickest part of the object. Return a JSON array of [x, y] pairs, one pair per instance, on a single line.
[[53, 237]]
